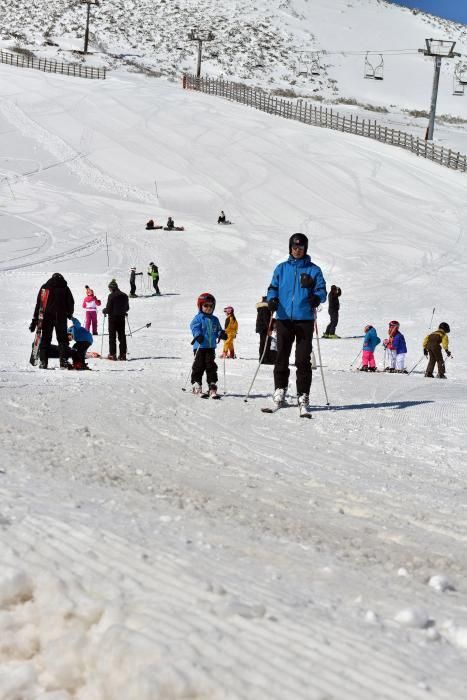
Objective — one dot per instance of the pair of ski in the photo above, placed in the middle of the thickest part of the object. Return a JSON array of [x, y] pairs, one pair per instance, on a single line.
[[207, 395], [304, 411]]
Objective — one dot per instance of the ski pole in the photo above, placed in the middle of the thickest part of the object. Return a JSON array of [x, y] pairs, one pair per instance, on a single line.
[[356, 358], [416, 365], [321, 362], [146, 325], [129, 328], [190, 370], [260, 360], [225, 390], [431, 320], [103, 333]]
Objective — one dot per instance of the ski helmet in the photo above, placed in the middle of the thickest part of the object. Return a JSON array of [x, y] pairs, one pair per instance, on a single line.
[[298, 239], [132, 268], [229, 309], [444, 327], [367, 328], [206, 298], [394, 324]]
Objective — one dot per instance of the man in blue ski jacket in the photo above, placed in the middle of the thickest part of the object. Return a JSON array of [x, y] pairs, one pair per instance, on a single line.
[[297, 288]]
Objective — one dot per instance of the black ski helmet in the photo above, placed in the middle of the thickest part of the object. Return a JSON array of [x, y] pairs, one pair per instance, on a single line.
[[444, 327], [298, 239], [57, 276]]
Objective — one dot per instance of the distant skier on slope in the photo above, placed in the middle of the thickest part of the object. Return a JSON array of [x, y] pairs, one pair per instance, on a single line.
[[370, 341], [333, 309], [396, 349], [297, 288], [231, 329], [117, 308], [207, 331], [60, 306], [153, 272], [133, 275], [90, 303], [432, 345]]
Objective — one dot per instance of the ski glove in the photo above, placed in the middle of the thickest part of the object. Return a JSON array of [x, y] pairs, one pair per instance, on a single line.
[[307, 281], [315, 301], [32, 325], [273, 304], [197, 339], [425, 352], [448, 353], [223, 335]]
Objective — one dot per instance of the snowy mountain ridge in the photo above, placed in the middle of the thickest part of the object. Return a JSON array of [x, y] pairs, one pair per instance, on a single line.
[[270, 44]]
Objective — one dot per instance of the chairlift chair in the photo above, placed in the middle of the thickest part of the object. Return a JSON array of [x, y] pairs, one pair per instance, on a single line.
[[458, 88], [374, 72], [302, 68], [315, 68]]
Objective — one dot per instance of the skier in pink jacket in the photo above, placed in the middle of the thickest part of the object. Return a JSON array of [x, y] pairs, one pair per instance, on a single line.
[[90, 303]]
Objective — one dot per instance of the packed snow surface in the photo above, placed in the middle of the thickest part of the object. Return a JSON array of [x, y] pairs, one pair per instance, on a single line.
[[156, 546]]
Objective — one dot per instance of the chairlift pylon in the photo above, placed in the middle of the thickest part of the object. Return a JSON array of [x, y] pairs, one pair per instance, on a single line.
[[374, 71]]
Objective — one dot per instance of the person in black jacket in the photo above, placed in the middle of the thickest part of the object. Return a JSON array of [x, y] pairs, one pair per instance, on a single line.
[[60, 306], [333, 308], [263, 318], [116, 309]]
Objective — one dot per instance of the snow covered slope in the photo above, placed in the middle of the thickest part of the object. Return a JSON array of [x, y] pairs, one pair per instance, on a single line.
[[157, 546]]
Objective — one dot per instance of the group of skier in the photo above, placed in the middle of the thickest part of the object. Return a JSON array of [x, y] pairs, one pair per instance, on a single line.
[[153, 273], [286, 315]]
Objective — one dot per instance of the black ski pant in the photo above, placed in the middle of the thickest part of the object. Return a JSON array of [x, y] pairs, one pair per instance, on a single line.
[[79, 349], [48, 326], [302, 333], [117, 328], [333, 321], [435, 356], [155, 284], [205, 361], [132, 288]]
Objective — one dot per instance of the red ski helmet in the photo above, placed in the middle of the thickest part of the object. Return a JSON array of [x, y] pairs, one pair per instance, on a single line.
[[394, 323], [229, 310], [204, 298]]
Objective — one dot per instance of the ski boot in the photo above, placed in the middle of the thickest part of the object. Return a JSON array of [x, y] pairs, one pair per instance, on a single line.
[[213, 392], [372, 369], [429, 375], [112, 357], [43, 364], [122, 357], [304, 405], [441, 376], [279, 397], [364, 368], [77, 364], [64, 364], [197, 389]]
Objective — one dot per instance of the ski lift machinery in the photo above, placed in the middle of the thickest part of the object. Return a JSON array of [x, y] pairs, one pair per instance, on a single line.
[[374, 69]]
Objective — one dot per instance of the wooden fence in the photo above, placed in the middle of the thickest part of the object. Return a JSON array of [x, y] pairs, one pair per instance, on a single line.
[[303, 111], [49, 66]]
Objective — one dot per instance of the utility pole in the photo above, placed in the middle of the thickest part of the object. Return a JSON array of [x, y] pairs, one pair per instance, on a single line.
[[439, 49], [200, 37], [88, 12]]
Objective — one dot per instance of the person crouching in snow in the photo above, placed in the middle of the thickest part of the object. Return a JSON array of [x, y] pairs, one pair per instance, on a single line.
[[83, 340], [90, 303], [432, 345], [207, 331], [370, 341], [231, 328], [396, 349]]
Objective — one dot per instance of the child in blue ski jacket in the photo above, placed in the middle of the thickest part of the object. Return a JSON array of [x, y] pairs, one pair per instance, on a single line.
[[370, 341], [83, 340], [207, 331]]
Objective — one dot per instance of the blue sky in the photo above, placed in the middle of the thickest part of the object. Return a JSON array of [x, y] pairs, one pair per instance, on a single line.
[[451, 9]]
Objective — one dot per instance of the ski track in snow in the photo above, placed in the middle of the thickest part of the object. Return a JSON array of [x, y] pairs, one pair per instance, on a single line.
[[154, 545]]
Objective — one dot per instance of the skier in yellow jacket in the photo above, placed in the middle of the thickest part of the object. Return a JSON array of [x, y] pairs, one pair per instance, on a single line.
[[432, 345], [231, 328]]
